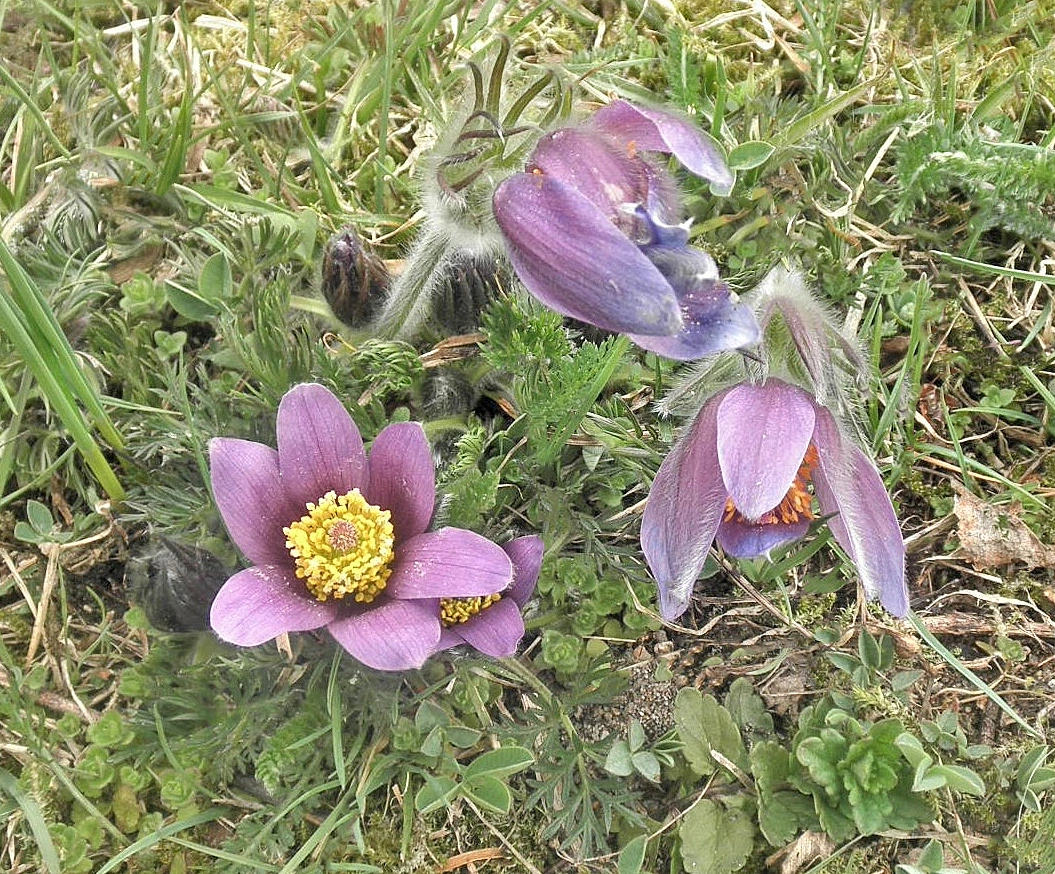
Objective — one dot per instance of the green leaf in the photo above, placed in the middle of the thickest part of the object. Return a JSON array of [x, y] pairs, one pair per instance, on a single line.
[[1031, 769], [39, 517], [34, 817], [647, 765], [868, 649], [782, 812], [27, 533], [436, 792], [636, 736], [491, 793], [430, 715], [189, 304], [29, 323], [632, 856], [749, 155], [704, 725], [960, 779], [903, 679], [845, 663], [462, 736], [925, 780], [715, 840], [619, 760], [500, 763], [214, 281], [932, 858], [432, 745], [912, 750], [747, 708]]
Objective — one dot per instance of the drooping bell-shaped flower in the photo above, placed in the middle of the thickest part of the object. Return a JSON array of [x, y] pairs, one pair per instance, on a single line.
[[339, 540], [592, 229], [742, 475]]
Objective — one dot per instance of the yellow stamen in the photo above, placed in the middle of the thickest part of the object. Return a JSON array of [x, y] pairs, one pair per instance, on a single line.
[[343, 546], [796, 505], [455, 611]]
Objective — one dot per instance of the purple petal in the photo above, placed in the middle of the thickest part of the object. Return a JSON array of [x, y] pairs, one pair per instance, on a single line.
[[260, 603], [394, 636], [714, 321], [763, 433], [402, 478], [319, 446], [848, 485], [742, 539], [526, 555], [495, 631], [449, 563], [448, 638], [684, 509], [657, 131], [604, 175], [573, 259], [251, 498]]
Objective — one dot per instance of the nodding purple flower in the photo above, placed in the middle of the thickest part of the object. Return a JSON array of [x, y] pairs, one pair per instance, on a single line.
[[741, 475], [592, 230], [338, 540], [493, 624]]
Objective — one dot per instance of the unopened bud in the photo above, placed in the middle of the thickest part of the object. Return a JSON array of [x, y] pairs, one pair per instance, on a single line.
[[176, 584], [354, 280]]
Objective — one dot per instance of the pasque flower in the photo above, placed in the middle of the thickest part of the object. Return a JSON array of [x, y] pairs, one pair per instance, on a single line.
[[592, 229], [742, 475], [493, 625], [338, 540]]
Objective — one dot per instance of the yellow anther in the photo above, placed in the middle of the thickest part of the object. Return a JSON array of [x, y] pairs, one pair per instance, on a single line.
[[342, 546], [455, 611]]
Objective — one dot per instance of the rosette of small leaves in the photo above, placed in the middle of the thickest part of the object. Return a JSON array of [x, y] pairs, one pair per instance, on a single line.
[[561, 652], [855, 771]]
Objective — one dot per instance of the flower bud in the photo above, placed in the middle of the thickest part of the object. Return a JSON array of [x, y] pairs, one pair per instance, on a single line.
[[175, 584], [354, 280]]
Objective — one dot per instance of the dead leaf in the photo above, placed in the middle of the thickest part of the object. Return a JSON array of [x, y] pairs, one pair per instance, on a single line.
[[995, 536], [803, 851]]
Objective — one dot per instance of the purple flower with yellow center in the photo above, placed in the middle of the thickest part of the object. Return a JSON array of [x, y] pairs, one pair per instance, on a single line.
[[493, 624], [742, 475], [340, 541], [592, 230]]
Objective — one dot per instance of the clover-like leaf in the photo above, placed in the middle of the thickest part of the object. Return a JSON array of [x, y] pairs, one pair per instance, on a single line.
[[490, 793]]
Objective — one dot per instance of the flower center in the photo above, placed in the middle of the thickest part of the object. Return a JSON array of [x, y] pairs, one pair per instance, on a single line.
[[796, 505], [342, 546], [455, 611]]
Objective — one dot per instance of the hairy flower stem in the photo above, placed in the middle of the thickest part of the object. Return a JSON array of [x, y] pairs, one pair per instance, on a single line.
[[409, 302]]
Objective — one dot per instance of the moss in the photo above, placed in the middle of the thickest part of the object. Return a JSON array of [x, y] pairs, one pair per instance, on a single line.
[[439, 836]]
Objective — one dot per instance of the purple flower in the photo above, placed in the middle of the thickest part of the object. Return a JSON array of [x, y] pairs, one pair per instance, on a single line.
[[592, 230], [493, 624], [339, 541], [741, 475]]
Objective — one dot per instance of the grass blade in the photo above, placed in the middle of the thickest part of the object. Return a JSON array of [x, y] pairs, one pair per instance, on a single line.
[[969, 675], [35, 820]]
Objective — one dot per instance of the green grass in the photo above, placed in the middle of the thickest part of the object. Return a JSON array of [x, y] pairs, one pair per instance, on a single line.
[[168, 184]]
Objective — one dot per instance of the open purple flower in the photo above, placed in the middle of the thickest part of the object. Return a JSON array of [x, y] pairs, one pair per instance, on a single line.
[[741, 475], [339, 541], [493, 624], [592, 230]]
